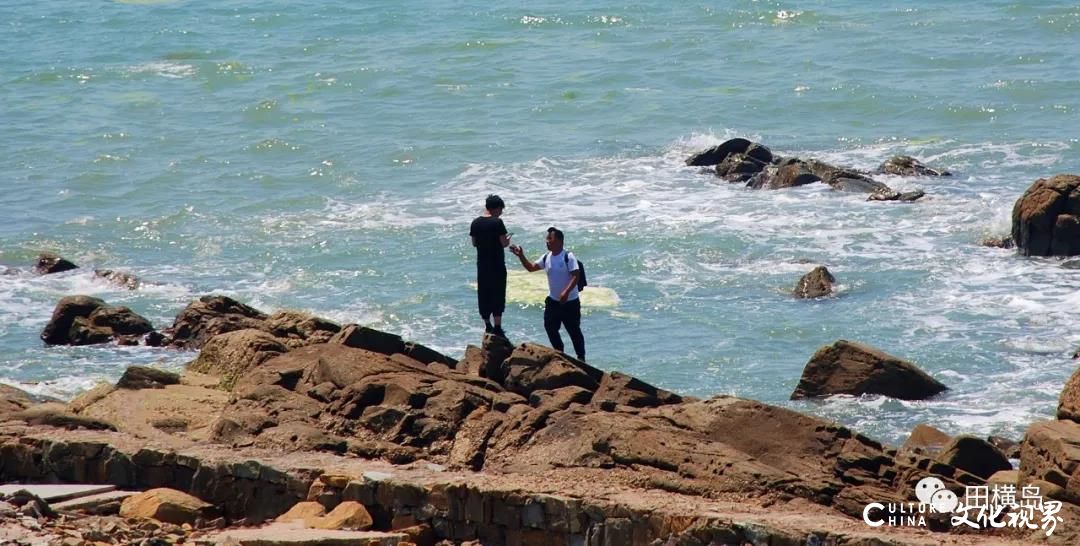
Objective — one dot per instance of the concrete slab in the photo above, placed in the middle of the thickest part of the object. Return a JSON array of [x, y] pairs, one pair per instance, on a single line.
[[293, 534], [51, 493], [93, 503]]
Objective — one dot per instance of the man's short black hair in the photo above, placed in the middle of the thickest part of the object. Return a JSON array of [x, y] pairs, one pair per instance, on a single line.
[[494, 202], [558, 233]]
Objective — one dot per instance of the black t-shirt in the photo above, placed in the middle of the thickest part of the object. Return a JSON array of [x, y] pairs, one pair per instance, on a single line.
[[489, 250]]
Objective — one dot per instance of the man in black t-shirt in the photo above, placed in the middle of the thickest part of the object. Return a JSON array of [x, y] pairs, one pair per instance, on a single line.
[[489, 236]]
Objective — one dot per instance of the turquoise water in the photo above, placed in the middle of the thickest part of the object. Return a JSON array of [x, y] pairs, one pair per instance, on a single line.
[[329, 157]]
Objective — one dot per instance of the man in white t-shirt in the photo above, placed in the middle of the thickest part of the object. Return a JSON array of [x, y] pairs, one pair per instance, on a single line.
[[562, 307]]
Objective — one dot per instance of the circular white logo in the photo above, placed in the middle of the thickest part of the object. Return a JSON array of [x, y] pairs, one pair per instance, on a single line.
[[944, 501], [926, 488]]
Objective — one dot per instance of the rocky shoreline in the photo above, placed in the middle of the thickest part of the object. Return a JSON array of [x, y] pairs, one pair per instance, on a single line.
[[317, 429], [510, 445]]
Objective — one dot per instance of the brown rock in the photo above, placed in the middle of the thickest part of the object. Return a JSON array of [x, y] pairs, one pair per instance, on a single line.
[[619, 389], [852, 368], [534, 367], [120, 320], [997, 242], [303, 511], [362, 337], [974, 455], [1044, 219], [1069, 402], [142, 377], [231, 354], [349, 515], [48, 263], [1051, 452], [166, 505], [155, 413], [299, 328], [212, 315], [58, 330], [1004, 477], [926, 439], [13, 400], [815, 284]]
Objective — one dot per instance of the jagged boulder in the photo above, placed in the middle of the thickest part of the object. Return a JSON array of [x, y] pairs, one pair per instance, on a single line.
[[815, 284], [231, 354], [48, 263], [533, 367], [1046, 219], [212, 315], [853, 368], [974, 455], [905, 165], [83, 320], [297, 328]]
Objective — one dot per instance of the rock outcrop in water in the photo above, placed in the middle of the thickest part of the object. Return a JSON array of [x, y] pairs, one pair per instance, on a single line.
[[740, 160], [856, 369], [815, 284], [1046, 219], [48, 263], [83, 320]]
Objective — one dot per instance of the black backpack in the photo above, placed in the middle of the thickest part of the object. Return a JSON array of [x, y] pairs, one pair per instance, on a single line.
[[581, 281]]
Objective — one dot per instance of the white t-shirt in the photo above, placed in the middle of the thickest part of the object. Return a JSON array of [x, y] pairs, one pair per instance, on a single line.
[[558, 271]]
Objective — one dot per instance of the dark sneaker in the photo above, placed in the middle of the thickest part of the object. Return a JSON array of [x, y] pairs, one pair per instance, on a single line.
[[488, 329], [499, 332]]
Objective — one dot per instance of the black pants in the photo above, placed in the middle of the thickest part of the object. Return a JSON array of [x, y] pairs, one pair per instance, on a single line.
[[566, 314], [491, 290]]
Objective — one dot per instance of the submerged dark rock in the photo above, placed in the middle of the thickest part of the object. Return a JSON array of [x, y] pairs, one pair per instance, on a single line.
[[48, 263]]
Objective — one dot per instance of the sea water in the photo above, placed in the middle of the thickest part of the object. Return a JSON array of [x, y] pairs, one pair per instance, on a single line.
[[329, 156]]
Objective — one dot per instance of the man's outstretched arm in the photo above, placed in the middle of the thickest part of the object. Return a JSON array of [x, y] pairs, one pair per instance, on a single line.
[[525, 262]]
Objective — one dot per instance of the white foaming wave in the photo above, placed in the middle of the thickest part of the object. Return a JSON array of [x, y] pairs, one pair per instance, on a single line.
[[166, 69]]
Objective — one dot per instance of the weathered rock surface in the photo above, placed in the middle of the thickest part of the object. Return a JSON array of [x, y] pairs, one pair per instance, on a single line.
[[209, 316], [1046, 219], [815, 284], [14, 400], [1069, 401], [83, 320], [48, 263], [853, 368], [1051, 452], [905, 165], [1004, 241], [231, 354]]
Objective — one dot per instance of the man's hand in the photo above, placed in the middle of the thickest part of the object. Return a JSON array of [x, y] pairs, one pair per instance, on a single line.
[[517, 250], [562, 297]]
